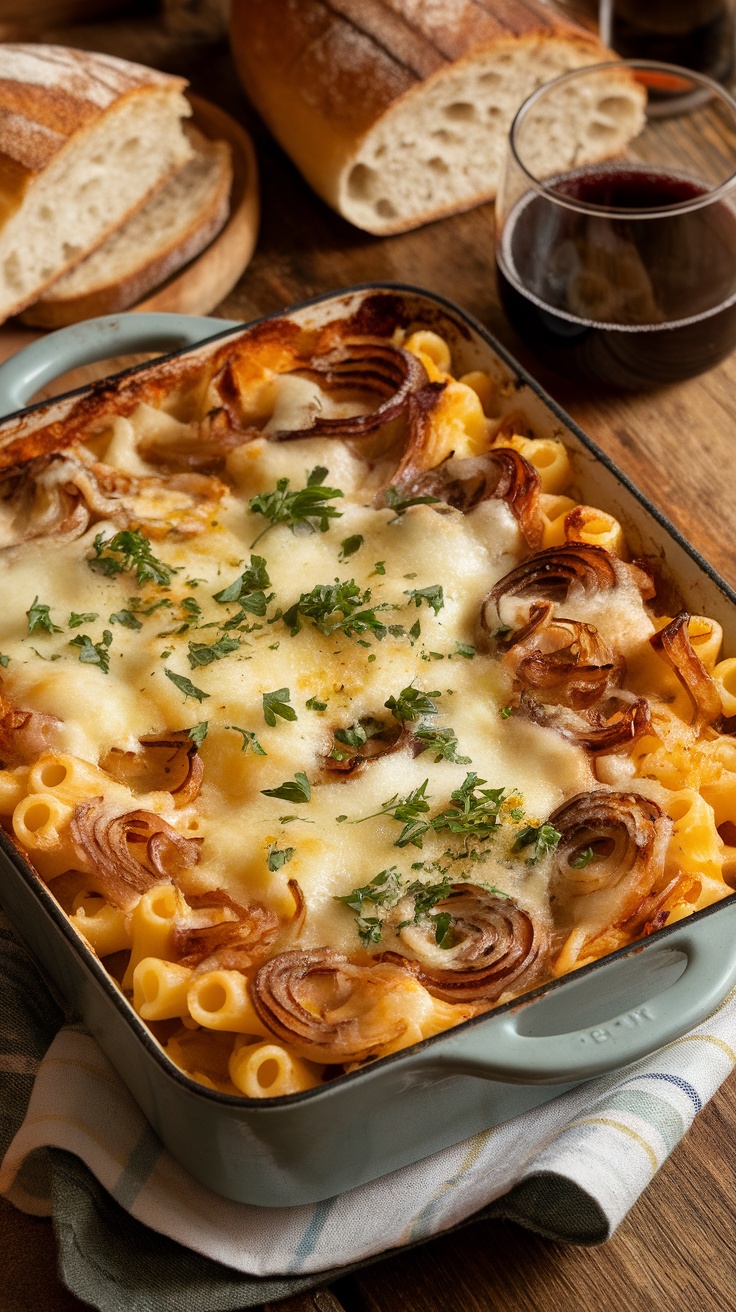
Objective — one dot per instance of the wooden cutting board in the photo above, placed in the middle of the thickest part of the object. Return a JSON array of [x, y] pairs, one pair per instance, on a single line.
[[204, 282]]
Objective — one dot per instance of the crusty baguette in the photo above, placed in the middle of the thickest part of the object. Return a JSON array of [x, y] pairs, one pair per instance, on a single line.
[[398, 111], [84, 139], [178, 221]]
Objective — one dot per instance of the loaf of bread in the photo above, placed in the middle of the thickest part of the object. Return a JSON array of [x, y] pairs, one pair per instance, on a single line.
[[398, 111], [178, 221], [84, 140]]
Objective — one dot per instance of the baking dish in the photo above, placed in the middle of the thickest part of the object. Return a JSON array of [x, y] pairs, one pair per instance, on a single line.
[[311, 1145]]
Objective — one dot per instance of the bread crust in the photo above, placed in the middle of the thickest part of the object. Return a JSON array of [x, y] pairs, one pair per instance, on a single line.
[[49, 94], [322, 73]]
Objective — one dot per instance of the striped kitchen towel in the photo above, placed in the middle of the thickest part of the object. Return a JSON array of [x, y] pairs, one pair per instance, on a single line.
[[137, 1234]]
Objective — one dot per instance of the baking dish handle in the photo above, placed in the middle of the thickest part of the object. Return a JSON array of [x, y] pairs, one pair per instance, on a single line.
[[56, 353], [512, 1056]]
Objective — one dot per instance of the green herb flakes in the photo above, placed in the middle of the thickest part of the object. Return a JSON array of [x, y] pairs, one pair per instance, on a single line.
[[126, 618], [433, 596], [94, 653], [129, 552], [201, 654], [411, 704], [39, 619], [349, 546], [277, 703], [296, 790], [278, 857], [186, 686], [305, 507], [249, 740]]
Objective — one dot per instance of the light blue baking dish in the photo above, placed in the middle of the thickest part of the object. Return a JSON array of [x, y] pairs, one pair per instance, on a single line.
[[286, 1151]]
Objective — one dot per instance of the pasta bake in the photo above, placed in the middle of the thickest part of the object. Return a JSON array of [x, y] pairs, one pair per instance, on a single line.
[[330, 713]]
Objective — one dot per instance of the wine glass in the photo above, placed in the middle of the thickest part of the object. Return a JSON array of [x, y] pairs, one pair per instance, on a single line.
[[618, 265]]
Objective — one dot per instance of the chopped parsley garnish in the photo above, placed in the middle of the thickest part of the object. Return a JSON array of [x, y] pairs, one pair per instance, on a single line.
[[349, 546], [4, 660], [340, 607], [442, 741], [201, 654], [407, 810], [94, 653], [198, 732], [87, 617], [277, 703], [412, 704], [126, 618], [584, 858], [129, 552], [473, 810], [186, 686], [379, 567], [465, 649], [191, 607], [296, 790], [39, 619], [249, 740], [314, 705], [415, 631], [278, 856], [383, 891], [502, 630], [248, 590], [544, 838], [433, 595], [395, 501], [356, 736], [307, 506], [505, 712], [135, 605]]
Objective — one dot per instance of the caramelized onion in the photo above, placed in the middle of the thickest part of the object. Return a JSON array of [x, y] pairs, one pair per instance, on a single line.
[[40, 505], [169, 764], [241, 937], [627, 835], [367, 367], [673, 644], [24, 734], [554, 573], [324, 1006], [614, 723], [129, 853], [498, 948], [502, 474], [563, 660]]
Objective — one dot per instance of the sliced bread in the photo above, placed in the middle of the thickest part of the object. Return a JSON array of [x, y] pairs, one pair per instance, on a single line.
[[398, 111], [178, 221], [84, 139]]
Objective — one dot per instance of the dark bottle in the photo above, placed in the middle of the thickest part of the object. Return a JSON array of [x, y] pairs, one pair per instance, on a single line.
[[695, 34]]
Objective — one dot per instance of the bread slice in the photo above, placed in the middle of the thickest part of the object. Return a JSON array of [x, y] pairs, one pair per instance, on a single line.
[[398, 111], [84, 139], [178, 221]]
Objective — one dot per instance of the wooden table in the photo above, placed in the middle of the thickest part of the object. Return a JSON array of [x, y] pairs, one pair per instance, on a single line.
[[675, 1251]]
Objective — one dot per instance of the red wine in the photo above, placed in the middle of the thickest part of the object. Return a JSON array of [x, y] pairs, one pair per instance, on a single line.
[[631, 299]]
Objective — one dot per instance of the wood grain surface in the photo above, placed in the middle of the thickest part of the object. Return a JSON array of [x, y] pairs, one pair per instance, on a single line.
[[675, 1251]]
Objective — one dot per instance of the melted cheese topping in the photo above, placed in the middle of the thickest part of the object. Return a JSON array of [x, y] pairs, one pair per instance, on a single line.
[[465, 554]]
